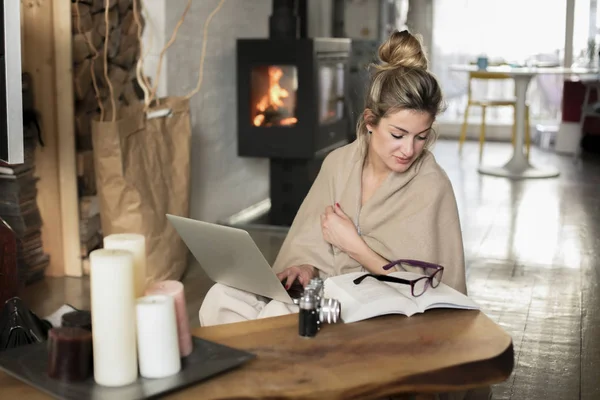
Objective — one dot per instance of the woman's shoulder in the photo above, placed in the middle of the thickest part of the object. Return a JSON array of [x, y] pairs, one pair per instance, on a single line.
[[432, 172], [342, 155]]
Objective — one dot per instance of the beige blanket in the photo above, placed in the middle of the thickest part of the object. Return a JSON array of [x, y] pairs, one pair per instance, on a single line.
[[411, 215]]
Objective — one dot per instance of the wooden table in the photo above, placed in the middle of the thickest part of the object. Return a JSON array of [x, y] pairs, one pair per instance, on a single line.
[[439, 351]]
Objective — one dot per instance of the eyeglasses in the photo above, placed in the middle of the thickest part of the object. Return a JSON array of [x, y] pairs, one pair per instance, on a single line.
[[417, 286]]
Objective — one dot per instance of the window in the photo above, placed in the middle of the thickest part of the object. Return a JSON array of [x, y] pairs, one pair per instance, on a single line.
[[510, 31]]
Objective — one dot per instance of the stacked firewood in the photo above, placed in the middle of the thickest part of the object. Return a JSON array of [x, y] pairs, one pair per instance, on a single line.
[[100, 51], [19, 196]]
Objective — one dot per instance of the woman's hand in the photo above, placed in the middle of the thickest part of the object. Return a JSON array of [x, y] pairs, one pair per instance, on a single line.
[[304, 273], [339, 230]]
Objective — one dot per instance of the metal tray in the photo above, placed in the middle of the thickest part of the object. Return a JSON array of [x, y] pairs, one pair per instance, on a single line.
[[29, 364]]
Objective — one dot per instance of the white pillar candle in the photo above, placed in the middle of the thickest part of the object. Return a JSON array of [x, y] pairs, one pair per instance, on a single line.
[[113, 317], [157, 340], [136, 244]]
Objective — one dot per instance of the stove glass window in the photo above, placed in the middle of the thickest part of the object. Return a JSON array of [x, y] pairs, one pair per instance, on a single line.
[[331, 92], [273, 90]]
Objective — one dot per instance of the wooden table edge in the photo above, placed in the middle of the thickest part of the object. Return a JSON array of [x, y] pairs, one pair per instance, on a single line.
[[466, 376], [456, 378], [453, 378]]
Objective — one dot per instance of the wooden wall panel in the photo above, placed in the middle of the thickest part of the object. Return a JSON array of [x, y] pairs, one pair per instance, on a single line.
[[65, 123], [49, 65]]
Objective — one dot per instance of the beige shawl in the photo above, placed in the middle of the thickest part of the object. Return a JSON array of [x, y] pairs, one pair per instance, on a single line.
[[412, 215]]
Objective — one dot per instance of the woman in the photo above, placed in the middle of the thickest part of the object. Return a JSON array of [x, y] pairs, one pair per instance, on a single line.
[[381, 198]]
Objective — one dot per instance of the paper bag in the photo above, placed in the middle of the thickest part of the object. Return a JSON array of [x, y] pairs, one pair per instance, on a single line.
[[142, 169], [142, 154]]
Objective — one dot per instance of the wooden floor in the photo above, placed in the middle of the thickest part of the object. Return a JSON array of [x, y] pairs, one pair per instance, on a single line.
[[533, 254]]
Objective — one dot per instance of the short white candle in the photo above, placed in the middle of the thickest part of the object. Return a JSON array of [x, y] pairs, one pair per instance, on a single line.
[[176, 291], [157, 339], [113, 317], [136, 244]]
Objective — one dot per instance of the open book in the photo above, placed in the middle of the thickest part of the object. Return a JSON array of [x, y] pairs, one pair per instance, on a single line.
[[372, 298]]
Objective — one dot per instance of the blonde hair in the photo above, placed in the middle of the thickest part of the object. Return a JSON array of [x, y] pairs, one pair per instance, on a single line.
[[401, 81]]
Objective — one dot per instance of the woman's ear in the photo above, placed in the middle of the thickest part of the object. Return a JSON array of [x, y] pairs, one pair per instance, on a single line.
[[370, 119]]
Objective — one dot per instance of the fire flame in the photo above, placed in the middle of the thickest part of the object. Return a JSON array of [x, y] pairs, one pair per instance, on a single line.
[[273, 99]]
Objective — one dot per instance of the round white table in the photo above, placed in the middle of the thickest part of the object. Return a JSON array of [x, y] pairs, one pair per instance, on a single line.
[[518, 167]]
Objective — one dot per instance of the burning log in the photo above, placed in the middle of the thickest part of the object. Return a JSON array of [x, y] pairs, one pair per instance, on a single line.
[[274, 117], [271, 108]]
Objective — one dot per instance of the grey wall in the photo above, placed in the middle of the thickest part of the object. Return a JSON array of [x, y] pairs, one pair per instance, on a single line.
[[222, 183]]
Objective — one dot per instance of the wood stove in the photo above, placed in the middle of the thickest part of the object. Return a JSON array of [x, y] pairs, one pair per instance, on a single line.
[[291, 106]]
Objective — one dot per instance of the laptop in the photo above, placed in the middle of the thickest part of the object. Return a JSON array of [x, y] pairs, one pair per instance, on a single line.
[[230, 257]]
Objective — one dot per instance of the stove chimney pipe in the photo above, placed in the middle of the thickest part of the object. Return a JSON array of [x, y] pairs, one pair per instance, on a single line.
[[283, 22]]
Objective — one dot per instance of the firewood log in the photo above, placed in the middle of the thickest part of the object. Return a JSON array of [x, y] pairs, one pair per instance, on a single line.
[[88, 228], [89, 102], [117, 76], [100, 24], [108, 110], [114, 42], [128, 24], [89, 205], [130, 95], [99, 5], [81, 49], [124, 6], [81, 18], [83, 124], [86, 176], [82, 78], [127, 58], [98, 66], [93, 243], [129, 41]]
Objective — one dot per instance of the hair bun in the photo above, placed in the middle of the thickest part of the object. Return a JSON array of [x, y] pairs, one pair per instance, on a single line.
[[402, 49]]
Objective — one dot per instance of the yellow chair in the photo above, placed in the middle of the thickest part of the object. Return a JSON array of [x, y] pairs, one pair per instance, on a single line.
[[484, 75]]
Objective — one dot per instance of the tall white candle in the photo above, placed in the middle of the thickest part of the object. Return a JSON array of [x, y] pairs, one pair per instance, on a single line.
[[136, 244], [157, 340], [113, 317]]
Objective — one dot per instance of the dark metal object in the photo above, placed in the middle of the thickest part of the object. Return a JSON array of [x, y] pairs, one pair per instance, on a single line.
[[316, 309], [308, 318], [19, 326], [283, 22], [308, 136]]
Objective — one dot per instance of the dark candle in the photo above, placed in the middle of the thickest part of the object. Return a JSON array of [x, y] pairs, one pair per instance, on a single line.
[[77, 319], [69, 353], [9, 281]]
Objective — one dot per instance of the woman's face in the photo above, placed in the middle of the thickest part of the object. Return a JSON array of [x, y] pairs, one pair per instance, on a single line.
[[399, 138]]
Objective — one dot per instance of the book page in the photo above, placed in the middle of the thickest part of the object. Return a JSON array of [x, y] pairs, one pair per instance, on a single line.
[[442, 296], [368, 299]]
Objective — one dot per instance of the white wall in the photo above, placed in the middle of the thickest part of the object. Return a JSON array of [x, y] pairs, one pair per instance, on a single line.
[[153, 40], [375, 19], [319, 22], [222, 183], [362, 19], [420, 21]]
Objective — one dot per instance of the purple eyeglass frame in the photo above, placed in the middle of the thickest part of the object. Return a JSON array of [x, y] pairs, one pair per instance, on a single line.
[[414, 263]]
